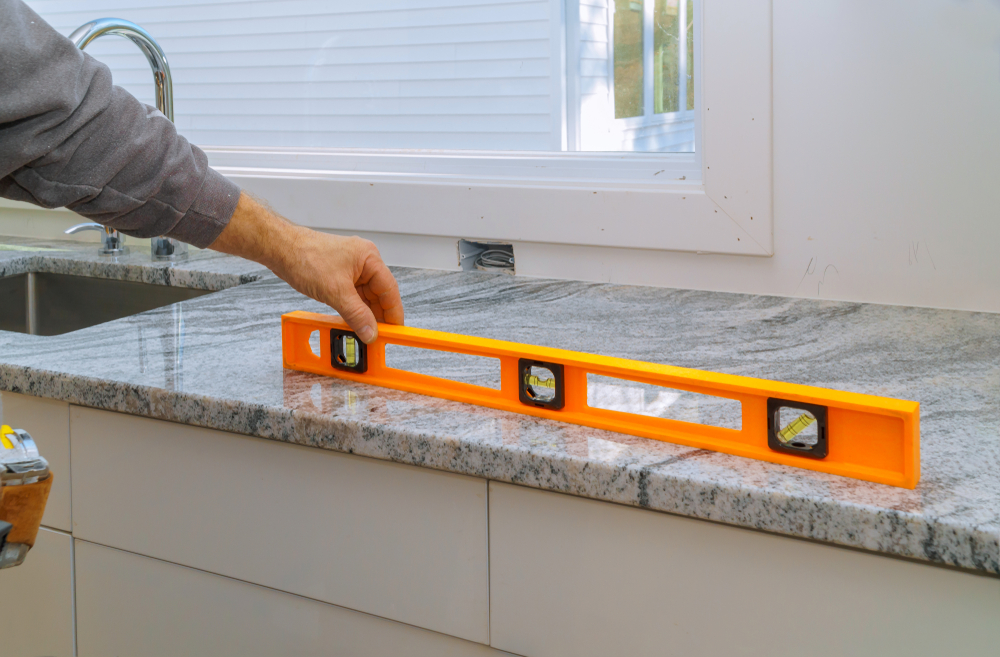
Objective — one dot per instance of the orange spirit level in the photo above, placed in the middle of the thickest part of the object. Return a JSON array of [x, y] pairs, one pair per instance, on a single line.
[[843, 433]]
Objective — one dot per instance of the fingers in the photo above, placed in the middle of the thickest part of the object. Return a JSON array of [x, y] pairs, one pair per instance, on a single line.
[[392, 308], [358, 316], [345, 272], [355, 282], [371, 299], [382, 290]]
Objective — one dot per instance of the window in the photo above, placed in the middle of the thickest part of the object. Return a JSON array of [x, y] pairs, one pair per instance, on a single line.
[[653, 72], [534, 120]]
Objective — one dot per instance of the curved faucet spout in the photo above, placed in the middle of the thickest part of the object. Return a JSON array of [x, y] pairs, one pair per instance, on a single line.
[[113, 242], [87, 32]]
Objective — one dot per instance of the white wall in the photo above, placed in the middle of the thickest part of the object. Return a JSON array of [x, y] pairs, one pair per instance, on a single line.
[[886, 160]]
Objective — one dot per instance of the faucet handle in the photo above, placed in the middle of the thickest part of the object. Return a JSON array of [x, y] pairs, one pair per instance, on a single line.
[[113, 242]]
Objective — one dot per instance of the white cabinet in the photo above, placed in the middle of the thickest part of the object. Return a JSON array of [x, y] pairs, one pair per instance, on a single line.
[[48, 423], [257, 547], [577, 577], [36, 600], [134, 605], [401, 542]]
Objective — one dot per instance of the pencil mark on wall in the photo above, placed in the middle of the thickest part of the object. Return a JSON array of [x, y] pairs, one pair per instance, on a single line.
[[823, 277], [915, 248], [810, 269]]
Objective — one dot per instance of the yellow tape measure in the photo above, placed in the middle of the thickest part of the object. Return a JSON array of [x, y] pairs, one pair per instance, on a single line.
[[7, 437]]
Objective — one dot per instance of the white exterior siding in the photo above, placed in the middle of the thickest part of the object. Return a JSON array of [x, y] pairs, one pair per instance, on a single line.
[[436, 74], [393, 74], [671, 137]]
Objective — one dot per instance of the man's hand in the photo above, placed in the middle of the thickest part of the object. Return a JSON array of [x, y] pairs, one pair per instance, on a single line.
[[346, 273]]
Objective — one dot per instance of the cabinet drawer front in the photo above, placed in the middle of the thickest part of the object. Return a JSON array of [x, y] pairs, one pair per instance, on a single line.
[[48, 423], [579, 577], [396, 541], [133, 605], [36, 617]]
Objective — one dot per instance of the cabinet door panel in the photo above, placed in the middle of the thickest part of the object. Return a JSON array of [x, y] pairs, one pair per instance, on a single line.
[[36, 600], [578, 577], [134, 605], [401, 542], [48, 423]]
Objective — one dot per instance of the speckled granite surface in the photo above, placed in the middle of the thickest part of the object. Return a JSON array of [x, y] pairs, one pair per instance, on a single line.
[[215, 361], [202, 270]]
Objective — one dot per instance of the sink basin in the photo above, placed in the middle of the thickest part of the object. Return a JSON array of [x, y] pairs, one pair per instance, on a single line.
[[42, 303]]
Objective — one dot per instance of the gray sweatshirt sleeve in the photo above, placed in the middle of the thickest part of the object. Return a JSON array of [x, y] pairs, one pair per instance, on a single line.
[[69, 137]]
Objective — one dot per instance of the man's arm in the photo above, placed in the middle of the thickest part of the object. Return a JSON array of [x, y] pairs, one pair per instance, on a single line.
[[70, 138], [346, 273]]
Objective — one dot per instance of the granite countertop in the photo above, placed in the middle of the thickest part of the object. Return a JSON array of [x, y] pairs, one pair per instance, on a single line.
[[215, 361]]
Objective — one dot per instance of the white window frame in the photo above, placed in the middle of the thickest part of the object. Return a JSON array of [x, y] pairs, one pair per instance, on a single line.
[[718, 200]]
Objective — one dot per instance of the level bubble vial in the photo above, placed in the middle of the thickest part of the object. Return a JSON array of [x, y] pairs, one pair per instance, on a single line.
[[347, 352], [797, 428], [541, 384]]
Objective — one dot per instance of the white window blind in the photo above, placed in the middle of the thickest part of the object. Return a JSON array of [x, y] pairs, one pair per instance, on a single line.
[[486, 75]]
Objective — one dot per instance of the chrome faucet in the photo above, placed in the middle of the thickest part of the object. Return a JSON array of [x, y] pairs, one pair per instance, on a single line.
[[162, 248], [112, 242]]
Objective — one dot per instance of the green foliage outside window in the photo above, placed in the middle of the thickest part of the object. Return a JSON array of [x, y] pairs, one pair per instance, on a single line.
[[629, 59]]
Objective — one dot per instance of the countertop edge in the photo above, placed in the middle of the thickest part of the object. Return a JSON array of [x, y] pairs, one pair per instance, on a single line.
[[876, 530]]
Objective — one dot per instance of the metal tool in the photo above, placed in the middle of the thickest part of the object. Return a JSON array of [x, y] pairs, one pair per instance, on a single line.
[[25, 481], [844, 433], [112, 242]]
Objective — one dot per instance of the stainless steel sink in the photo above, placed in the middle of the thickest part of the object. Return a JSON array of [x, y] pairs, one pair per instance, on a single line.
[[41, 303]]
